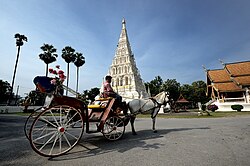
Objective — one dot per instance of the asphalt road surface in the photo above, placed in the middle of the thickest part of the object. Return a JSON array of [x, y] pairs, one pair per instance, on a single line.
[[189, 142]]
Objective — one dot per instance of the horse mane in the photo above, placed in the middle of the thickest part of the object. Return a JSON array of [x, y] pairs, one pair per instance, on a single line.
[[159, 97]]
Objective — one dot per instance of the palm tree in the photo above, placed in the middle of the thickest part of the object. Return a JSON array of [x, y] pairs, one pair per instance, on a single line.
[[19, 43], [48, 56], [80, 60], [68, 54]]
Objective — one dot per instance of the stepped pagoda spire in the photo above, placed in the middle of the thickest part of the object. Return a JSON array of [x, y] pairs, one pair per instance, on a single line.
[[126, 77]]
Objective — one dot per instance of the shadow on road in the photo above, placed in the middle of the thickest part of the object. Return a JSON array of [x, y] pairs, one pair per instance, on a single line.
[[97, 145]]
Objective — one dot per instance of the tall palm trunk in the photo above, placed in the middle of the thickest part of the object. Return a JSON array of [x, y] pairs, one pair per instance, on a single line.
[[14, 75], [47, 68], [67, 79], [77, 78]]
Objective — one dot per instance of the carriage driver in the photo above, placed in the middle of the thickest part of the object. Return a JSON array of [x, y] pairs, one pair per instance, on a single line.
[[108, 90]]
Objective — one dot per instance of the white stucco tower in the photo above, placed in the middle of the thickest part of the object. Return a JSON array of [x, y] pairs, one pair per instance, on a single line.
[[126, 79]]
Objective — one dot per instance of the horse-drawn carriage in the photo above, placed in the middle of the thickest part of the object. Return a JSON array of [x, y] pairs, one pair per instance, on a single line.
[[58, 126]]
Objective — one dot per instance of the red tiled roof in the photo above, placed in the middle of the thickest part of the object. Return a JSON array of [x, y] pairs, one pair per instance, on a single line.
[[238, 68], [242, 80], [227, 87], [219, 75], [182, 100], [231, 78]]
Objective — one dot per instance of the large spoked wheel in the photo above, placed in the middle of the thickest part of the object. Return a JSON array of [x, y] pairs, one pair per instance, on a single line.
[[56, 130], [114, 128], [35, 113], [30, 120]]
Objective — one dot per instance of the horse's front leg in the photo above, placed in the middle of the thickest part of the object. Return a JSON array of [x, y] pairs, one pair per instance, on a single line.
[[153, 116], [153, 120]]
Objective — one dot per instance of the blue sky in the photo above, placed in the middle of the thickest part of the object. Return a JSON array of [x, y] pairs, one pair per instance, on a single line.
[[169, 38]]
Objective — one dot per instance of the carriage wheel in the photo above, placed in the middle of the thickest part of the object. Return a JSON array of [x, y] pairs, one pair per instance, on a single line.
[[114, 128], [30, 120], [56, 130]]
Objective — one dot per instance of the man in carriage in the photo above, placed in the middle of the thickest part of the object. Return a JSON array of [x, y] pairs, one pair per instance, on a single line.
[[108, 90]]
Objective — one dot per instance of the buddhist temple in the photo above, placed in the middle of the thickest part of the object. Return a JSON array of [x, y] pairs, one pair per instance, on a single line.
[[126, 79], [229, 84]]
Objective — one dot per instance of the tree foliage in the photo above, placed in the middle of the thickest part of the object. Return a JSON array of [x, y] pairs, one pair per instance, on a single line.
[[173, 87], [34, 98], [68, 54], [20, 38], [199, 92], [154, 85], [5, 90], [194, 93], [48, 56], [89, 95], [187, 91], [79, 61]]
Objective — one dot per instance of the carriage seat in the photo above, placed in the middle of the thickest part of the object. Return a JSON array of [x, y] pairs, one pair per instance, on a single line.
[[104, 99], [96, 106], [99, 103]]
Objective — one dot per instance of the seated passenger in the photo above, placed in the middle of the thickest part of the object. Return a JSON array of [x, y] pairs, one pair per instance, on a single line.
[[44, 84], [108, 90]]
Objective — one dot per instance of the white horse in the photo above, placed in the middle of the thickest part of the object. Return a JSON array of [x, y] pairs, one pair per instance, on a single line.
[[151, 105]]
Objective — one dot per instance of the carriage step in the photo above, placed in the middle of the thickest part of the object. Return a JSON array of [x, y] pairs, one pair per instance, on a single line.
[[95, 116], [92, 131]]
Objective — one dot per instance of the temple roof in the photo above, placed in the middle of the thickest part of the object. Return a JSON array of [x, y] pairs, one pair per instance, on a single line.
[[227, 87], [242, 80], [181, 99], [238, 68], [233, 77], [219, 75]]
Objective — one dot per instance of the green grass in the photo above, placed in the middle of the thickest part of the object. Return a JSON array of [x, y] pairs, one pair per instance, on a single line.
[[188, 114], [195, 115]]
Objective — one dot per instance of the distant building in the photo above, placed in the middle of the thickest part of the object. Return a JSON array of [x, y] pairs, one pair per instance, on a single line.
[[230, 84], [126, 79]]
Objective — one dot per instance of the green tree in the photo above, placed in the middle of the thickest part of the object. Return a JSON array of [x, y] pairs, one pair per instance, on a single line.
[[93, 92], [155, 85], [79, 61], [173, 87], [37, 98], [68, 54], [199, 94], [89, 95], [187, 91], [48, 56], [5, 90]]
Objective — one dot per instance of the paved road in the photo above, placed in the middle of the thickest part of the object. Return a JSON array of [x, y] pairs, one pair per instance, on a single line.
[[189, 142]]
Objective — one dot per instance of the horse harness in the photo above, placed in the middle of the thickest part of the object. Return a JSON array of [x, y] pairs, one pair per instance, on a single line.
[[156, 105]]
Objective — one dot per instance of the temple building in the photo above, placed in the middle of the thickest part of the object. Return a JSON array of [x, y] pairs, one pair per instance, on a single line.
[[126, 79], [230, 85]]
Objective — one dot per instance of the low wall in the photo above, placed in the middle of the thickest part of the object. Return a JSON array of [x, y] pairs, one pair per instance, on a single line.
[[227, 106], [13, 109], [10, 109]]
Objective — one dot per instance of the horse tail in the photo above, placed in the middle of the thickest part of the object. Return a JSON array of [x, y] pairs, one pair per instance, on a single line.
[[128, 108], [124, 107]]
